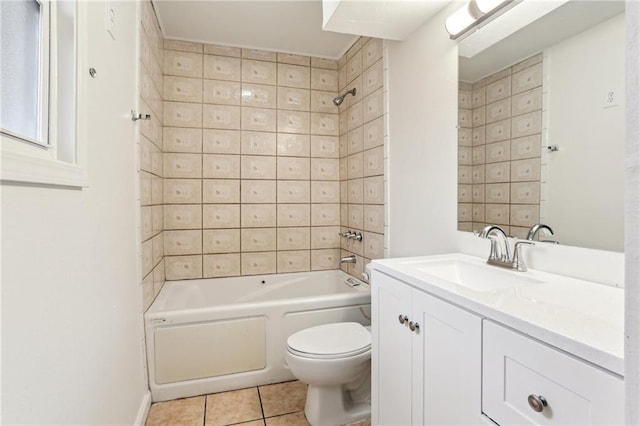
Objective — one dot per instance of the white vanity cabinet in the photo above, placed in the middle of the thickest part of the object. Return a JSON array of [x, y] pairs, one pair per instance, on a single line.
[[426, 358], [522, 376], [460, 342], [435, 363]]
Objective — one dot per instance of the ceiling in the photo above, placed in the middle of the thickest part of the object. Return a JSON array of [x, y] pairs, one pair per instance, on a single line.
[[386, 19], [290, 26]]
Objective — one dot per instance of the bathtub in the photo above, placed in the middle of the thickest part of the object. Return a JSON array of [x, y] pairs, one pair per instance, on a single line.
[[213, 335]]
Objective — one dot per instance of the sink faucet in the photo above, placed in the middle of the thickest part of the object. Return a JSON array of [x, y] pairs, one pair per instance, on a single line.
[[499, 243], [499, 254], [348, 259], [536, 228]]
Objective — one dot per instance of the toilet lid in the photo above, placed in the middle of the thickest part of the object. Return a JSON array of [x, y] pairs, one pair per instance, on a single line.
[[331, 340]]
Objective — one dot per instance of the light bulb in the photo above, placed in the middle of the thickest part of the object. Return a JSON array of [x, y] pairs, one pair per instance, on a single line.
[[460, 20], [486, 6]]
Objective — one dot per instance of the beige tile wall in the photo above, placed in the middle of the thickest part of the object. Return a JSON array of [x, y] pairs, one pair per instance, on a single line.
[[499, 143], [150, 147], [247, 167], [362, 193], [251, 162]]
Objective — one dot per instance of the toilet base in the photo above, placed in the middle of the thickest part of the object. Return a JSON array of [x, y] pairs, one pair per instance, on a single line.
[[332, 406]]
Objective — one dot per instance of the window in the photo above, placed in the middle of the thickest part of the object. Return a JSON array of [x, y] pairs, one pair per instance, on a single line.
[[25, 63], [40, 126]]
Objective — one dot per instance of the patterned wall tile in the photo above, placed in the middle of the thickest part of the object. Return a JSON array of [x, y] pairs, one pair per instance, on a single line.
[[245, 177]]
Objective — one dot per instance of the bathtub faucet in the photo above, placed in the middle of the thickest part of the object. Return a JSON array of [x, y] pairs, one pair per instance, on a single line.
[[348, 259]]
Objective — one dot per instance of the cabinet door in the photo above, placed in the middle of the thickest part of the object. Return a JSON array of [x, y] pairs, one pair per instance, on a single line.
[[447, 364], [391, 352], [517, 368]]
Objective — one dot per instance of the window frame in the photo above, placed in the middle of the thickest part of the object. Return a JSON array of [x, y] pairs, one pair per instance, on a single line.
[[37, 162]]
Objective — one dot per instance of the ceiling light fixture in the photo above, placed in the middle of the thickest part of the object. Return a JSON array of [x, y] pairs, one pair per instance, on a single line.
[[461, 19], [472, 14]]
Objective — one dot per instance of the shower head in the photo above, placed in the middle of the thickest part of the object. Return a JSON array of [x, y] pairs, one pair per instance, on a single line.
[[339, 99]]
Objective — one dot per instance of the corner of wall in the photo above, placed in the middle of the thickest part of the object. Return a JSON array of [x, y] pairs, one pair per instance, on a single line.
[[632, 217], [150, 149], [363, 152], [143, 410]]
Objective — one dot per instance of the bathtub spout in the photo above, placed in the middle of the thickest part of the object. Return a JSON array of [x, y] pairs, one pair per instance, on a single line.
[[348, 259]]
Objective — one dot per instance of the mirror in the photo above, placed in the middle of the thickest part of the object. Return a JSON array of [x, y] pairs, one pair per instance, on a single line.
[[542, 127]]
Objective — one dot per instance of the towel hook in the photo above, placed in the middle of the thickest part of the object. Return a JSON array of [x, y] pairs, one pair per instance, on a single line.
[[136, 117]]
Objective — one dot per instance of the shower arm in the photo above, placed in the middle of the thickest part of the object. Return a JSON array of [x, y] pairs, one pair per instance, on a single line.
[[339, 99]]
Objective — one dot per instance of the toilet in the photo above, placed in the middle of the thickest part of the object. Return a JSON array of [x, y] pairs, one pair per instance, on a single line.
[[335, 361]]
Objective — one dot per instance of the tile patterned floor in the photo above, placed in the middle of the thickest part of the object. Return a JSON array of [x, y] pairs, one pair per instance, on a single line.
[[280, 404]]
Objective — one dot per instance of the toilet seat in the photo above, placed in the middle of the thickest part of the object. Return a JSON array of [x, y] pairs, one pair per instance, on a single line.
[[330, 341]]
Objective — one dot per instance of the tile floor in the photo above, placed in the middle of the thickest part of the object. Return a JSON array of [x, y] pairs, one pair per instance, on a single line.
[[280, 404]]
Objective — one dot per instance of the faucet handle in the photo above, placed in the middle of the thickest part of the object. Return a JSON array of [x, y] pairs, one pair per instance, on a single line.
[[355, 236], [518, 262], [525, 243]]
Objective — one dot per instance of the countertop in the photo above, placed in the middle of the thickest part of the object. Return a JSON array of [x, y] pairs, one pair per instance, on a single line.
[[583, 318]]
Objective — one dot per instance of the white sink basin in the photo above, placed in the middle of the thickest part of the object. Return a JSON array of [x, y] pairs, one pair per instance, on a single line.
[[473, 275]]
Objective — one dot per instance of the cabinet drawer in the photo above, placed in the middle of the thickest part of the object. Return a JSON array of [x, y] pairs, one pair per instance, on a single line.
[[515, 367]]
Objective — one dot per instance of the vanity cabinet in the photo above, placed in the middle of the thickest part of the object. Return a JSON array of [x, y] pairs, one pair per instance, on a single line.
[[434, 363], [522, 376], [426, 358]]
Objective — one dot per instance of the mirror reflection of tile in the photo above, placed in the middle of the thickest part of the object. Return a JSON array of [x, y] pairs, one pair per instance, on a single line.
[[542, 130], [500, 119]]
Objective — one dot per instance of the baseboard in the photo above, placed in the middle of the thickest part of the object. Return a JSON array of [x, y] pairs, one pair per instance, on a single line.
[[143, 411]]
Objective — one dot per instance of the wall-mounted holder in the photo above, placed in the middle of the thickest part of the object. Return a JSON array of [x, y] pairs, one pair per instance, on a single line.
[[136, 117]]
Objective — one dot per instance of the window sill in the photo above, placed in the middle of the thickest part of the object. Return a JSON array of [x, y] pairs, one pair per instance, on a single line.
[[21, 167]]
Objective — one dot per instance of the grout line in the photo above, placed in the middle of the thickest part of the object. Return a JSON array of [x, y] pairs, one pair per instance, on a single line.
[[261, 406], [204, 413], [288, 413], [202, 164]]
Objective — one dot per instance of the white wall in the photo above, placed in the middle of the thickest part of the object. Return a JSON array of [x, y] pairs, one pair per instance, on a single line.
[[71, 324], [423, 109], [583, 197], [632, 218]]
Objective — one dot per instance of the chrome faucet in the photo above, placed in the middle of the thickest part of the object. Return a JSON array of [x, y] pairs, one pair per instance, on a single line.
[[348, 259], [499, 243], [500, 254], [536, 228], [351, 235]]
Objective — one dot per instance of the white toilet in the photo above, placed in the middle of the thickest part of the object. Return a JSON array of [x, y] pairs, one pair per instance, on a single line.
[[335, 361]]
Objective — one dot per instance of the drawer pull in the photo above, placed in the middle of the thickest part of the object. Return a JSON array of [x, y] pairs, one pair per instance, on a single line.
[[403, 318], [414, 326], [537, 402]]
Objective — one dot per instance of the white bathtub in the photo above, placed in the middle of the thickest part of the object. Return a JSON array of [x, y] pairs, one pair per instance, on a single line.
[[213, 335]]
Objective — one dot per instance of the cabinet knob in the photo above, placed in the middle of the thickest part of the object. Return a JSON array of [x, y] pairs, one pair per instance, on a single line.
[[414, 326], [402, 318], [537, 402]]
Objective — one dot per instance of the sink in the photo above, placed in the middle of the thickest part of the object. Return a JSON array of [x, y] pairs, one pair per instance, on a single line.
[[476, 276]]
